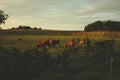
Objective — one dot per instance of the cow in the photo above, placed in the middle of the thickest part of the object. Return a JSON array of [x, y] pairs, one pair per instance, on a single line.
[[42, 43], [110, 43], [73, 43], [85, 42], [103, 44], [82, 42], [54, 43], [48, 43], [69, 44], [104, 49]]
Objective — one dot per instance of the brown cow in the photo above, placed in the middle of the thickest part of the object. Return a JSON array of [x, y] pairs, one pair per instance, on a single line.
[[85, 42], [69, 44], [42, 43], [73, 43], [48, 43], [82, 42]]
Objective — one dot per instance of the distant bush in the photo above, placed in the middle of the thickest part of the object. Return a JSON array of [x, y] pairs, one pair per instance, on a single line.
[[26, 28]]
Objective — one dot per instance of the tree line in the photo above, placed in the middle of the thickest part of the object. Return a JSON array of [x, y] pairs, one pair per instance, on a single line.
[[103, 26], [26, 27]]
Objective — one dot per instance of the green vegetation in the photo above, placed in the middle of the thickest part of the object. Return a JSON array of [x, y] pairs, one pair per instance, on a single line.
[[21, 60], [37, 64]]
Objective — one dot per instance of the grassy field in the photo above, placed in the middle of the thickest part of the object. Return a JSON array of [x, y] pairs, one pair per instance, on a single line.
[[29, 38], [20, 60]]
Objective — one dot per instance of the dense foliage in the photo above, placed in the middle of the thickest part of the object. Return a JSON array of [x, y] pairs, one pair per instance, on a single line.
[[3, 17], [103, 26], [38, 64]]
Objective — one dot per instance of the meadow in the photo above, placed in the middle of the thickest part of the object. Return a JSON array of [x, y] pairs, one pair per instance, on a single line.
[[29, 38], [21, 60]]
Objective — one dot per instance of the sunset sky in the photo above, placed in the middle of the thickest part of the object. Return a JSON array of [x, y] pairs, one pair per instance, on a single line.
[[59, 14]]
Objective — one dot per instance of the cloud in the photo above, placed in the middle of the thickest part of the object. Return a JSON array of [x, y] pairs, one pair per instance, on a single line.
[[2, 7], [62, 13]]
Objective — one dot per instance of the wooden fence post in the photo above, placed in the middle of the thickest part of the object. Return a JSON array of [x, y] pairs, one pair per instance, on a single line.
[[111, 68]]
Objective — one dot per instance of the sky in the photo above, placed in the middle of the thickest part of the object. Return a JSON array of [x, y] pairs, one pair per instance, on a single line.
[[58, 14]]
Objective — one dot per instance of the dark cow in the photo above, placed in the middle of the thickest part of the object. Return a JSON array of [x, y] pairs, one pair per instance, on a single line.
[[110, 43], [103, 44], [54, 43]]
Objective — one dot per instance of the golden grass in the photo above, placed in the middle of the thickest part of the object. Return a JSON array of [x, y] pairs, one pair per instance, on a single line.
[[31, 40]]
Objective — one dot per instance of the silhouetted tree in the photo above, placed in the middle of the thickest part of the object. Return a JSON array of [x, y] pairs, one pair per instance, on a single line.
[[3, 17]]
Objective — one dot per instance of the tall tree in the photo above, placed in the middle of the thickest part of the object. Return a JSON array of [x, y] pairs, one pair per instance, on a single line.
[[3, 17]]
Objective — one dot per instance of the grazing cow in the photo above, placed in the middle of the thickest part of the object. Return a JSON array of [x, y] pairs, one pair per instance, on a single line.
[[42, 43], [82, 42], [99, 44], [73, 43], [54, 43], [103, 44], [69, 44], [110, 43], [48, 43], [85, 42]]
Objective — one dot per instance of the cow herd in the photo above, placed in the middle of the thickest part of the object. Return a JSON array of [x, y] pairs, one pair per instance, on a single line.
[[75, 43]]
